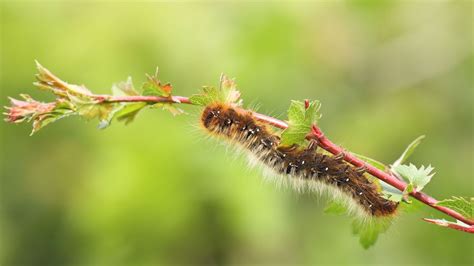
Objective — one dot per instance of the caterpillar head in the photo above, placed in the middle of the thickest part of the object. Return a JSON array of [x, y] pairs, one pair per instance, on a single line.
[[212, 116]]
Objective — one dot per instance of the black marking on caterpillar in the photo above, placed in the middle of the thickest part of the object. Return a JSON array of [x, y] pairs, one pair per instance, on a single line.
[[296, 162]]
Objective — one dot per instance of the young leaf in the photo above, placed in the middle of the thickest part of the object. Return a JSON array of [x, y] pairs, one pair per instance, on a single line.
[[154, 87], [61, 109], [460, 204], [40, 113], [408, 151], [226, 93], [418, 178], [300, 120], [208, 95], [48, 81], [228, 87], [369, 231], [20, 110], [90, 108], [127, 112], [71, 100], [396, 196]]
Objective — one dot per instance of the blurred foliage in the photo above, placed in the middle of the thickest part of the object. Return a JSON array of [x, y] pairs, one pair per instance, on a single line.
[[158, 192]]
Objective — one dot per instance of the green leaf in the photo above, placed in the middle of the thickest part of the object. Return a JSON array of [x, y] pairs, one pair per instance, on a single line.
[[154, 87], [128, 112], [396, 196], [417, 178], [77, 100], [226, 93], [460, 204], [336, 208], [209, 95], [74, 99], [408, 151], [369, 231], [48, 81], [90, 109], [300, 120], [43, 120]]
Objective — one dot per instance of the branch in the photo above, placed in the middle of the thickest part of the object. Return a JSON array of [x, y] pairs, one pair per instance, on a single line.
[[146, 99], [44, 113], [324, 142], [384, 176], [329, 146]]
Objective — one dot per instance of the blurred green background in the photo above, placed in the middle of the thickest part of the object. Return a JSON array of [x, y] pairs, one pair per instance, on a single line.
[[157, 192]]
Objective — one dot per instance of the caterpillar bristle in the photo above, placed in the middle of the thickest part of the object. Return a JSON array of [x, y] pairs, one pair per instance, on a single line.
[[303, 168]]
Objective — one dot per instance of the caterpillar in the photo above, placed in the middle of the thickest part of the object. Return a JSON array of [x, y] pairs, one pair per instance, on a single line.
[[297, 163]]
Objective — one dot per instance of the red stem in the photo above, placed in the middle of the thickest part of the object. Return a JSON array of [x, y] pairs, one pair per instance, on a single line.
[[324, 142], [384, 176], [468, 229], [139, 98]]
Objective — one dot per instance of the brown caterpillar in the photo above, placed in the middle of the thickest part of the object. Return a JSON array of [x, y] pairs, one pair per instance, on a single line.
[[300, 164]]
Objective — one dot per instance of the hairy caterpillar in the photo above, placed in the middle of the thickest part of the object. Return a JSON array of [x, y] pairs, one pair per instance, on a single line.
[[299, 164]]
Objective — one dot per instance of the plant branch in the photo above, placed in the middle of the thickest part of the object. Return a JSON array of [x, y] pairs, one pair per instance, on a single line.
[[384, 176], [23, 108], [147, 99], [325, 143]]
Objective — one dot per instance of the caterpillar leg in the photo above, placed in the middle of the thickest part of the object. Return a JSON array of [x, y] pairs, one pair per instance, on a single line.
[[313, 145], [340, 157], [361, 169]]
